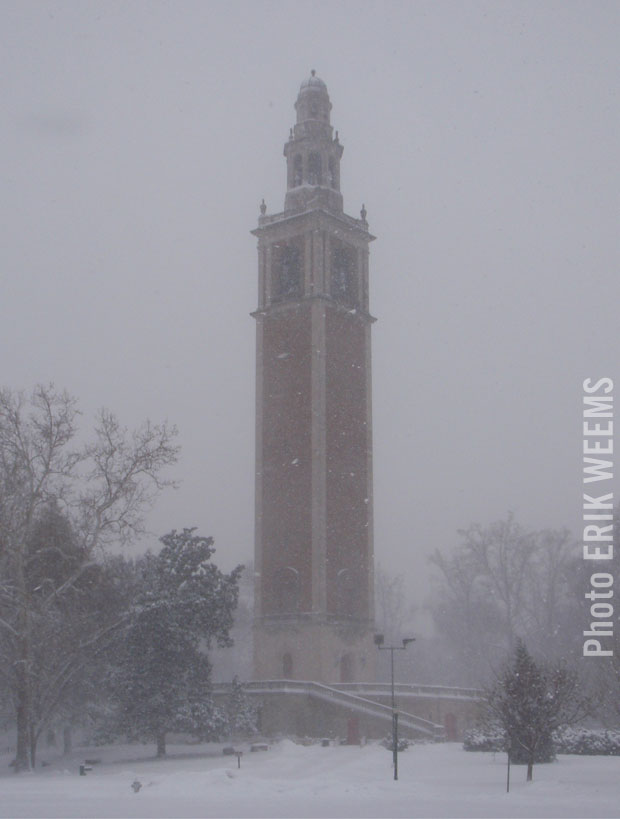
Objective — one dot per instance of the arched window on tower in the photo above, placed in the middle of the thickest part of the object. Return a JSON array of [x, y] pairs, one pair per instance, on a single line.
[[343, 278], [314, 169], [333, 181], [297, 171], [287, 589], [287, 278]]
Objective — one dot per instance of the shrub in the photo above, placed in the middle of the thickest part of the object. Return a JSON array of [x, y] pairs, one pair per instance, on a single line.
[[490, 738], [402, 743], [587, 741], [567, 740]]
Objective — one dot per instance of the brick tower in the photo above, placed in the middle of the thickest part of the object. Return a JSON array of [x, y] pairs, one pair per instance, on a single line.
[[314, 524]]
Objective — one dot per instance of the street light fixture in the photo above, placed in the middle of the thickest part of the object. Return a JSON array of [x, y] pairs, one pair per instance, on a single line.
[[379, 640]]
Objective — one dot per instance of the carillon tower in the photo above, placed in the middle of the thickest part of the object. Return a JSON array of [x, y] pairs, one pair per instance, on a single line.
[[314, 521]]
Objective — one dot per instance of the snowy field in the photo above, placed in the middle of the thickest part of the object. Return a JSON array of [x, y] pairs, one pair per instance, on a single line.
[[294, 781]]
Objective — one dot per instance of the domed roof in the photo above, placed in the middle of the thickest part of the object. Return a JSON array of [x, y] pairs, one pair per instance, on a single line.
[[313, 82]]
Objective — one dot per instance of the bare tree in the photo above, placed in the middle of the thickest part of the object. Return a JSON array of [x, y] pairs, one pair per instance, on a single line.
[[72, 630], [502, 583], [547, 605], [466, 618], [103, 490], [502, 554], [393, 610]]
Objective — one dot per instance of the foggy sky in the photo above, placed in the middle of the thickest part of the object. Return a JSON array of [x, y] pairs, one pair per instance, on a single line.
[[138, 139]]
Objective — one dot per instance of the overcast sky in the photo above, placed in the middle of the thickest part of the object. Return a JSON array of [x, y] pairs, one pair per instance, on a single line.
[[138, 139]]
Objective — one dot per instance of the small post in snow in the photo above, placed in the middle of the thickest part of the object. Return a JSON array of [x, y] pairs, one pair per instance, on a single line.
[[508, 769]]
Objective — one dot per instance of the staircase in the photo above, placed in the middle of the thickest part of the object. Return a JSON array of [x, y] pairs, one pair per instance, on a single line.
[[352, 702]]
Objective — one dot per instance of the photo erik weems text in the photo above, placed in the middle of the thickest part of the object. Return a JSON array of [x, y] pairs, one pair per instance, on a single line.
[[598, 513]]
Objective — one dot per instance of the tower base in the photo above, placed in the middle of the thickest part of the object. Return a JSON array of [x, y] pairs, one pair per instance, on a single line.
[[338, 651]]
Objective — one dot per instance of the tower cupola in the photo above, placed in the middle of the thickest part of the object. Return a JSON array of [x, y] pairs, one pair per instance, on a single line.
[[313, 100], [312, 152]]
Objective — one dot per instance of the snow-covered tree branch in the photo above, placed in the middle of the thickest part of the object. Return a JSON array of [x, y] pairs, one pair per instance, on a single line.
[[59, 503]]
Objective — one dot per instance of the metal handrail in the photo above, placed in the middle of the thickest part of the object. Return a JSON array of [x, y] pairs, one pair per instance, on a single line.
[[414, 689]]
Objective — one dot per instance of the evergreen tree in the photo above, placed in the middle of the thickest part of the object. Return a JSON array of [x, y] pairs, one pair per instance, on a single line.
[[241, 711], [531, 700], [162, 682]]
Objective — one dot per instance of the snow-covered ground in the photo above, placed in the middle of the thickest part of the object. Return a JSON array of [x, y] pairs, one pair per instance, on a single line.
[[294, 781]]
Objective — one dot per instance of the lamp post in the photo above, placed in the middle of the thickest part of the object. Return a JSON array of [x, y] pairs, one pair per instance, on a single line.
[[379, 640]]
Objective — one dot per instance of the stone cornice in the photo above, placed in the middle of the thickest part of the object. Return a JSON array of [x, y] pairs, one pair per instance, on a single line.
[[266, 223], [282, 306]]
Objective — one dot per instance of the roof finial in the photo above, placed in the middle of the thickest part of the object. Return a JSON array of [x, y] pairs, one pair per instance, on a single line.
[[263, 208], [363, 213], [313, 72]]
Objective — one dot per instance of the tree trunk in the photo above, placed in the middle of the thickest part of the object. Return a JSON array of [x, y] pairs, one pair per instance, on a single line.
[[22, 757], [22, 761], [161, 744], [530, 767], [67, 740], [33, 747]]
